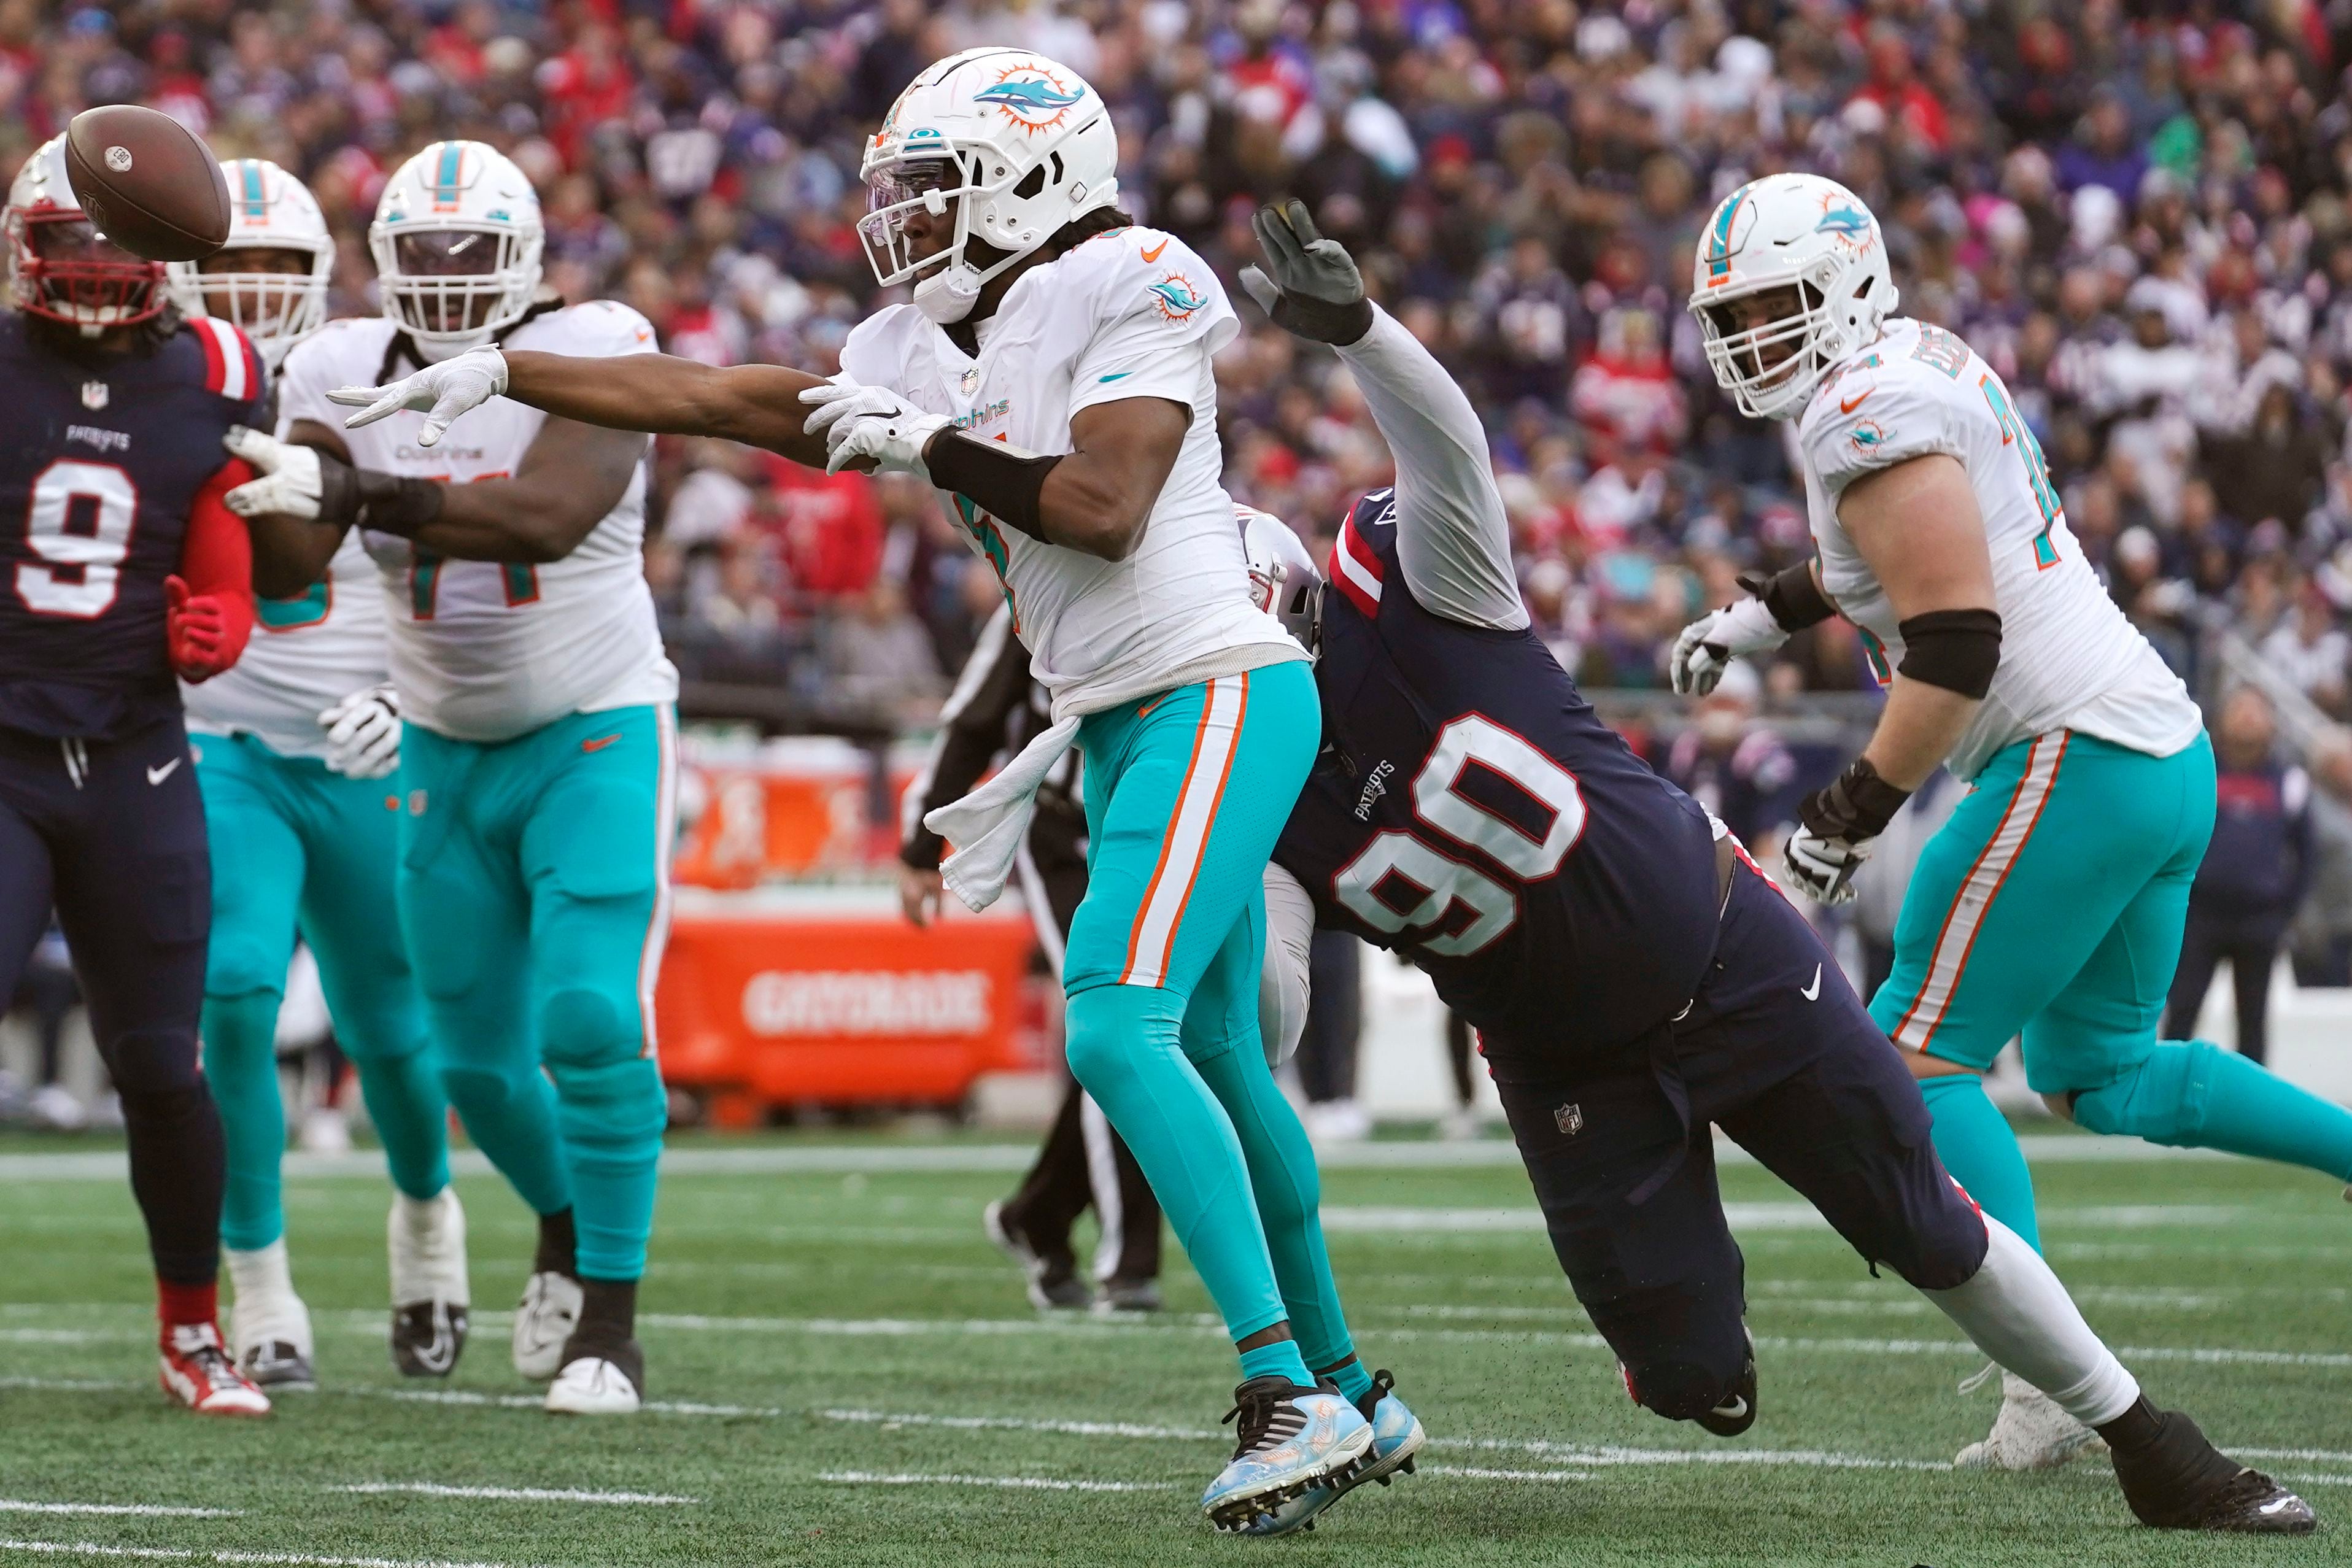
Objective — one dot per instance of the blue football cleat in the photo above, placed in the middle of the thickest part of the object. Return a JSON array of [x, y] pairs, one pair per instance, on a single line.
[[1397, 1437], [1292, 1440]]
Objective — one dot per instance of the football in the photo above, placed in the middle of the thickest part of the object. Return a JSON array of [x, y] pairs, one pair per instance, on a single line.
[[147, 182]]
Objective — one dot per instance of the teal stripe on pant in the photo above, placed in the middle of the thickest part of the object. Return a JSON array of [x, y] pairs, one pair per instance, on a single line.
[[1186, 792], [296, 847], [534, 890]]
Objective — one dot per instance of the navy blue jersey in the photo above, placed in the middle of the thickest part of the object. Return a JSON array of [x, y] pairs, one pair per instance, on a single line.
[[1471, 811], [100, 460]]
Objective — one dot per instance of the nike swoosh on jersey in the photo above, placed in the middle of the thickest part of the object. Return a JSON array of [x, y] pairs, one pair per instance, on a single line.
[[1117, 375], [157, 775], [600, 743], [1812, 992], [1848, 406], [1153, 254]]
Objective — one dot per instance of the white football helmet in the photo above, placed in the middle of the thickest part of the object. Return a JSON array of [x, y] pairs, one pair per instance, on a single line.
[[457, 239], [1021, 144], [269, 210], [1284, 581], [1788, 231], [60, 266]]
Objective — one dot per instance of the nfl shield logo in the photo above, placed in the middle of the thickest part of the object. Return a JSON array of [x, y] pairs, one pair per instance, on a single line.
[[93, 394], [1568, 1119], [971, 382]]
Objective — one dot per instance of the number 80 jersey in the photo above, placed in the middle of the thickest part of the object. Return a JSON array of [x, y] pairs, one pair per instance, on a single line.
[[2069, 658], [1470, 811]]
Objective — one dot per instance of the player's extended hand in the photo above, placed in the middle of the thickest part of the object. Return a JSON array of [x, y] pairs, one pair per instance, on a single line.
[[874, 422], [441, 392], [1315, 290], [920, 892], [291, 484], [1838, 827], [364, 733], [195, 631], [1708, 644]]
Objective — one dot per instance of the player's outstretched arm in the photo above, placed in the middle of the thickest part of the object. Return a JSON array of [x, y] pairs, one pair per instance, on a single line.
[[571, 477], [657, 393], [1454, 539]]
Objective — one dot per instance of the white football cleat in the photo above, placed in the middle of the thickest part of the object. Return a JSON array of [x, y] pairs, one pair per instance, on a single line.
[[593, 1386], [430, 1293], [269, 1328], [198, 1374], [2030, 1434], [544, 1319]]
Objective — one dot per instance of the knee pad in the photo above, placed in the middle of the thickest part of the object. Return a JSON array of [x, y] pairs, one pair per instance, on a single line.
[[585, 1027], [1103, 1031], [151, 1061], [476, 1089], [2161, 1100], [611, 1105]]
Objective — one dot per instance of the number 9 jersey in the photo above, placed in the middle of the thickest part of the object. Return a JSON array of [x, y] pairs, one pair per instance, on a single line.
[[1471, 811], [104, 459], [2069, 659]]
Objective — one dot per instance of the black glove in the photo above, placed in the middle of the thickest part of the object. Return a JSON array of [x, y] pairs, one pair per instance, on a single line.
[[1316, 291]]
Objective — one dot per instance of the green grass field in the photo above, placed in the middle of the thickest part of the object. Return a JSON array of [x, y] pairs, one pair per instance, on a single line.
[[843, 1372]]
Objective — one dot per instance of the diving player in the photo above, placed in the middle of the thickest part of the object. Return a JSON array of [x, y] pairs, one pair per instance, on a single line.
[[296, 741], [125, 570], [1633, 978], [1052, 377], [535, 793], [2053, 901]]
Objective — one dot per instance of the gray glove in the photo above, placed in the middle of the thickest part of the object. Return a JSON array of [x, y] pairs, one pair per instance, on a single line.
[[1316, 291]]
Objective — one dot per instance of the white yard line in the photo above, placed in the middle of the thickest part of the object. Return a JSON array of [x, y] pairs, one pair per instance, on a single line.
[[1028, 1483], [1472, 1472], [132, 1509], [198, 1554], [516, 1494]]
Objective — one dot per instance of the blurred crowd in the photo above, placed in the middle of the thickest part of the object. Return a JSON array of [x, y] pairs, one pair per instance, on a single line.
[[2137, 214]]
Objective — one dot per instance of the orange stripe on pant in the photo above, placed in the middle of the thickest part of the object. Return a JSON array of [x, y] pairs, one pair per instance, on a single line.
[[1161, 915]]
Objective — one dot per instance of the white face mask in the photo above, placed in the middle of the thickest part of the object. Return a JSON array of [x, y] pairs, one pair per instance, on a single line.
[[948, 295]]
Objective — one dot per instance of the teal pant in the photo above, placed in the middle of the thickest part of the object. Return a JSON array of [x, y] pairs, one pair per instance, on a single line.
[[294, 848], [1186, 792], [2052, 905], [534, 891]]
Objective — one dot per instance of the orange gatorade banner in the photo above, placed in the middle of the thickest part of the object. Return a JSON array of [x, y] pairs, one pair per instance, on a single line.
[[835, 999]]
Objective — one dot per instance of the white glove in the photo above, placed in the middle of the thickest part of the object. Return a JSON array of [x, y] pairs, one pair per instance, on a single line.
[[364, 733], [871, 421], [1709, 643], [290, 484], [1823, 867], [441, 392]]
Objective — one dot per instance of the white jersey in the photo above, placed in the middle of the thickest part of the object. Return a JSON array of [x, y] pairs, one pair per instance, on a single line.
[[2069, 658], [307, 655], [482, 651], [1130, 313]]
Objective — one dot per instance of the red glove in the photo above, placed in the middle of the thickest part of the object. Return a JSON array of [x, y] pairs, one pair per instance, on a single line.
[[197, 630]]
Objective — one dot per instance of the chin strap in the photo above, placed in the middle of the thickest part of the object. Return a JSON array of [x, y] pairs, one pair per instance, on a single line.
[[947, 296]]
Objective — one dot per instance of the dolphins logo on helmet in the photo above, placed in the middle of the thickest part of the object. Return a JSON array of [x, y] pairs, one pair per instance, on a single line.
[[1031, 97]]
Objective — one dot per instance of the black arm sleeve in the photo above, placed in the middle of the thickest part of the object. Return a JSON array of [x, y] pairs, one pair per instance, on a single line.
[[999, 480], [1792, 596], [972, 730]]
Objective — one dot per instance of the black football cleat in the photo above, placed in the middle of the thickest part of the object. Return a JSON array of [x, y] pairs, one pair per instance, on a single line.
[[2179, 1481], [1737, 1413]]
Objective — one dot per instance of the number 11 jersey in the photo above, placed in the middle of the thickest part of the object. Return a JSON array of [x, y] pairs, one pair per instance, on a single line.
[[1470, 811]]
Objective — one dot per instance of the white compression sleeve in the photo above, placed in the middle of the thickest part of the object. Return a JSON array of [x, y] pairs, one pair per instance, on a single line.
[[1452, 538], [2018, 1314]]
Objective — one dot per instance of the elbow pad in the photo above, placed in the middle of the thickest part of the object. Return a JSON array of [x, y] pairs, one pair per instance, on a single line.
[[1002, 482], [1792, 596], [1957, 650]]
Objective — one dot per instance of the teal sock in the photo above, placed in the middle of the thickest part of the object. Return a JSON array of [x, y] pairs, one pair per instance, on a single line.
[[1122, 1043], [508, 1110], [2192, 1094], [1976, 1145], [240, 1035], [410, 1115], [1282, 1176], [613, 1116], [1354, 1381], [1280, 1359]]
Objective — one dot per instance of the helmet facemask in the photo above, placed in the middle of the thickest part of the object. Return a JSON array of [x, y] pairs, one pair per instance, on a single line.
[[63, 270], [937, 185], [455, 282], [275, 293], [1833, 314]]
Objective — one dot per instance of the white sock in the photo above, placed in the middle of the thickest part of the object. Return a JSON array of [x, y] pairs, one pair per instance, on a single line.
[[260, 1275], [420, 1215], [2018, 1313]]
